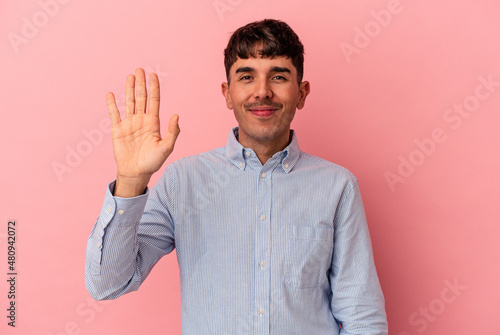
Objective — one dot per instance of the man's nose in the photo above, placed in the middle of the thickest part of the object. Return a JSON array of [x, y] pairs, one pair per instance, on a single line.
[[263, 89]]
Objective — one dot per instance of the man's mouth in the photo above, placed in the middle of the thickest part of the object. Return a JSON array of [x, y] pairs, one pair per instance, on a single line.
[[263, 111], [264, 108]]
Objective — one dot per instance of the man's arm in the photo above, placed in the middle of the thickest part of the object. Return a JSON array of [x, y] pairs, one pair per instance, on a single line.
[[111, 259], [114, 264], [357, 299], [121, 251]]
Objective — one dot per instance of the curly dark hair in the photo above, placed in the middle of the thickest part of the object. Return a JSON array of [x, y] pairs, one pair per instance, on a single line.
[[274, 37]]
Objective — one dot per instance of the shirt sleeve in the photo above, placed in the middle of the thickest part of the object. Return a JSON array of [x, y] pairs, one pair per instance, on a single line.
[[128, 239], [357, 299]]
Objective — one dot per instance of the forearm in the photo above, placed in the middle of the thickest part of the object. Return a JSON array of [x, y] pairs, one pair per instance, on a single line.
[[111, 259], [129, 237], [357, 298]]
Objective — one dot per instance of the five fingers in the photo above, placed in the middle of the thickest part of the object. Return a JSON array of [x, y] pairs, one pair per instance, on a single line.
[[136, 96]]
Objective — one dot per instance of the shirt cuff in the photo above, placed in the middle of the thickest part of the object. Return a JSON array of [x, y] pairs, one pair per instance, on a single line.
[[119, 211]]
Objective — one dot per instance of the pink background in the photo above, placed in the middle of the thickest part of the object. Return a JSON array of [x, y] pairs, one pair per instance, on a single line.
[[385, 76]]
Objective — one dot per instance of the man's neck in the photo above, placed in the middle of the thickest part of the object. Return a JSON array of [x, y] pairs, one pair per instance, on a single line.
[[265, 150]]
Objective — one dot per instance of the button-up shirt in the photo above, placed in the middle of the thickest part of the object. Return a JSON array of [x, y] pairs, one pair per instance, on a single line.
[[279, 248]]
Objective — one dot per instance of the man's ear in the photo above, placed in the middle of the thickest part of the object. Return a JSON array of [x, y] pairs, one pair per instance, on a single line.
[[225, 92], [304, 89]]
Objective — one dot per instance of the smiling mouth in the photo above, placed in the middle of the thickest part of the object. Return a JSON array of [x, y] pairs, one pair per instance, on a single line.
[[263, 111], [264, 108]]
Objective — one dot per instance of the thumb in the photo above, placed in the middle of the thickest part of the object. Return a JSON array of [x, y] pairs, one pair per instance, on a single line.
[[173, 131], [173, 125]]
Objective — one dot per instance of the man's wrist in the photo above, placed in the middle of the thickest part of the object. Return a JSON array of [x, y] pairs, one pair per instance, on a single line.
[[129, 187]]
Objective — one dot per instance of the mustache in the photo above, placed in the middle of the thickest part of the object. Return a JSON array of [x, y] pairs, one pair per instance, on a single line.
[[265, 102]]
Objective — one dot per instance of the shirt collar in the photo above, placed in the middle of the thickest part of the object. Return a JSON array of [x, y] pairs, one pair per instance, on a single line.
[[237, 153]]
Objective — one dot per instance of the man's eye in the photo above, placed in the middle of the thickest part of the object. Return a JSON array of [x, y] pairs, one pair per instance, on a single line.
[[279, 78], [245, 78]]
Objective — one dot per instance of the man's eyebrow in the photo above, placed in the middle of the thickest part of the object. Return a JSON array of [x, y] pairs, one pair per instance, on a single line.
[[273, 69], [244, 69], [280, 69]]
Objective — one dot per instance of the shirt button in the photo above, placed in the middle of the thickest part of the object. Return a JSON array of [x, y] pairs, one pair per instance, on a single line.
[[109, 210], [248, 153], [98, 244], [121, 212], [262, 217], [241, 164], [262, 264], [263, 175], [261, 311], [286, 166]]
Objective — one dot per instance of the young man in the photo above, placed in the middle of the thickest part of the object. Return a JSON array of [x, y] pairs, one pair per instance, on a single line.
[[269, 239]]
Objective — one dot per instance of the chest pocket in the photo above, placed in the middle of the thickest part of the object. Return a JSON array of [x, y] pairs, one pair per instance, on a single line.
[[308, 255]]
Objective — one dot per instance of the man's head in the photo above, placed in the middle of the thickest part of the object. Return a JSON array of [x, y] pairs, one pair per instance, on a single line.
[[266, 39], [264, 64]]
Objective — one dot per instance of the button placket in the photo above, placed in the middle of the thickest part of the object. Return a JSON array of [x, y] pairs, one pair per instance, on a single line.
[[262, 247]]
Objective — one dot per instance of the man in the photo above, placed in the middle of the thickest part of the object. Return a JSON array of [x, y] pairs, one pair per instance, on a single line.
[[269, 239]]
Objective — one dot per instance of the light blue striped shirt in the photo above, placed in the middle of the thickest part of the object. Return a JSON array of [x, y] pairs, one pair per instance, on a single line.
[[282, 248]]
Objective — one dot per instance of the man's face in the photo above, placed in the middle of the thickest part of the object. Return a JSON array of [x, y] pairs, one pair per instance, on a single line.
[[264, 94]]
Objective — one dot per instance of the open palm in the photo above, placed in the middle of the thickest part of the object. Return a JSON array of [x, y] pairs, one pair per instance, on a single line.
[[138, 147]]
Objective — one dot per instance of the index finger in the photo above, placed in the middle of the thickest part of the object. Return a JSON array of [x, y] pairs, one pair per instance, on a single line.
[[154, 95]]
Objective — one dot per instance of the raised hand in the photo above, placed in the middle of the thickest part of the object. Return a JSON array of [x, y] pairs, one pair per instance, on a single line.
[[138, 147]]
